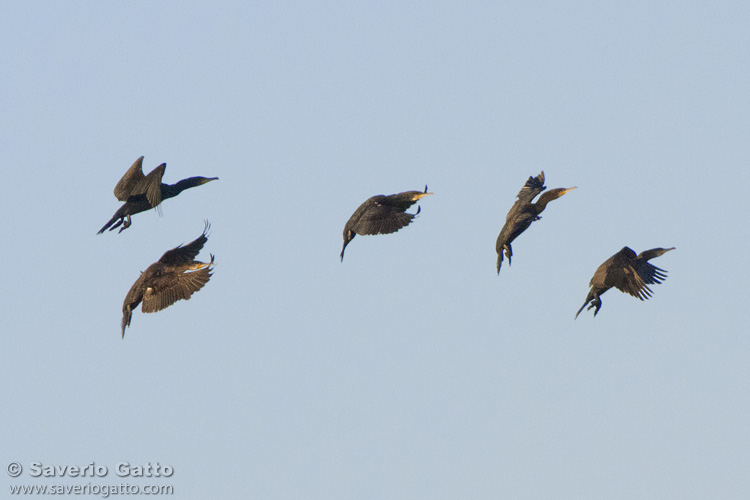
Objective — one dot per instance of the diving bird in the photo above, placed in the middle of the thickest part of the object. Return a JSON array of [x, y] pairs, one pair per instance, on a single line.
[[523, 213], [628, 273], [175, 276], [381, 215], [143, 192]]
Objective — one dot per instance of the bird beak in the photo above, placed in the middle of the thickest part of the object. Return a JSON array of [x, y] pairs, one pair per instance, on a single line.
[[569, 189], [209, 180], [421, 195], [201, 265]]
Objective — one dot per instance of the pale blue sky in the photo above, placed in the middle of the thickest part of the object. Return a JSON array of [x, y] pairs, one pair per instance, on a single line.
[[410, 370]]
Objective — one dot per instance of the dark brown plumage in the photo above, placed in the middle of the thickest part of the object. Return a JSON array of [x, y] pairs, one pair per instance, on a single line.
[[628, 273], [381, 215], [175, 276], [523, 213], [144, 192]]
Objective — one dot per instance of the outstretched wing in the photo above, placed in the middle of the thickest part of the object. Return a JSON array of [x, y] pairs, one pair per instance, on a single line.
[[518, 218], [172, 288], [636, 277], [187, 253], [151, 185], [134, 183], [649, 273], [639, 276], [533, 186], [127, 184], [381, 217]]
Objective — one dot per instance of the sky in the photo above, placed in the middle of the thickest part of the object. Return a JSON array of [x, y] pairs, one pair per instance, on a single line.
[[410, 369]]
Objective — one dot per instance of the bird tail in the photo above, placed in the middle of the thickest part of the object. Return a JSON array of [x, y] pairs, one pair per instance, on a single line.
[[581, 309], [126, 315], [508, 253], [110, 222], [589, 298]]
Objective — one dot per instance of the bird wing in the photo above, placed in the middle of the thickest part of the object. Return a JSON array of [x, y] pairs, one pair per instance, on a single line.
[[515, 223], [381, 218], [128, 182], [630, 282], [629, 274], [636, 278], [611, 272], [402, 201], [533, 186], [644, 274], [516, 220], [174, 287], [134, 295], [187, 253], [132, 299], [151, 185], [649, 273]]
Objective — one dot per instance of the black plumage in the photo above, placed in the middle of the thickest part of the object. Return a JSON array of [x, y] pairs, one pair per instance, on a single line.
[[381, 215], [144, 192], [175, 276], [629, 273], [523, 213]]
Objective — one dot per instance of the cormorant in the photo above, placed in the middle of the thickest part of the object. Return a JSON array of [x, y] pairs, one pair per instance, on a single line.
[[143, 192], [381, 215], [168, 280], [523, 213], [628, 273]]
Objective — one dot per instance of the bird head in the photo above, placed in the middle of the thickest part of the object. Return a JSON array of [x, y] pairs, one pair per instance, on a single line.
[[418, 195], [562, 191], [654, 252], [550, 195]]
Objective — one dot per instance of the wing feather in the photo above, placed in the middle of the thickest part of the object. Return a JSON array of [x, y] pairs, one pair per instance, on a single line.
[[637, 275], [126, 185], [382, 219], [156, 299], [186, 254], [533, 186], [151, 185]]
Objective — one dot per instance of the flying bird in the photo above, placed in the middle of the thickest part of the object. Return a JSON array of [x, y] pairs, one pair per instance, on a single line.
[[175, 276], [628, 273], [382, 214], [144, 192], [523, 213]]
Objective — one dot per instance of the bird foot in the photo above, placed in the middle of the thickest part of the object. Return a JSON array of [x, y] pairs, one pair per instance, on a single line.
[[597, 304], [125, 224]]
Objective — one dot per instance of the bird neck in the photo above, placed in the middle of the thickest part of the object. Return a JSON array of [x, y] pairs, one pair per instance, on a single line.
[[548, 196], [541, 204], [172, 190]]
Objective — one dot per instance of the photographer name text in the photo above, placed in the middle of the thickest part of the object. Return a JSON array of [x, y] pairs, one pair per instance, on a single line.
[[92, 469]]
